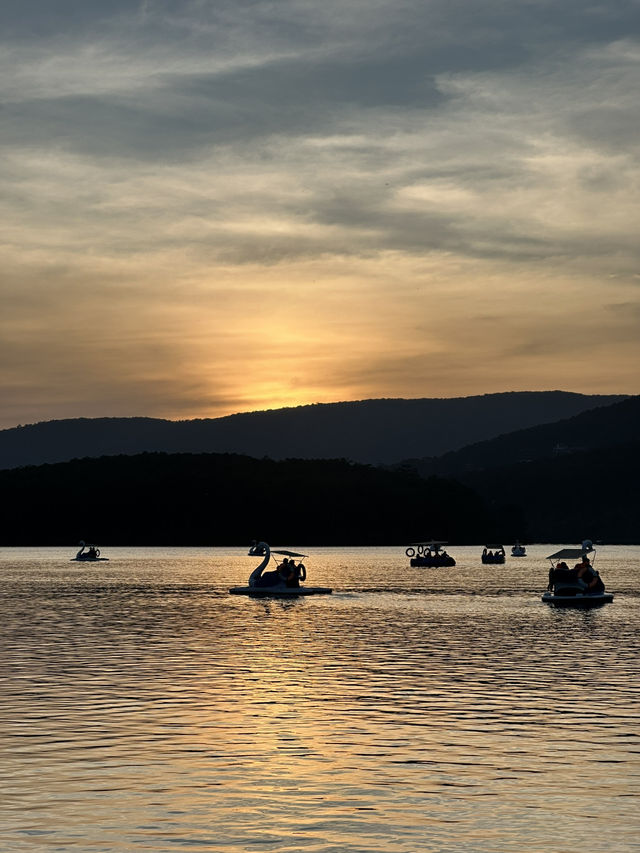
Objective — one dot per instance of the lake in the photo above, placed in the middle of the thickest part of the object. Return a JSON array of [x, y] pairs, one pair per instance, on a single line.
[[144, 708]]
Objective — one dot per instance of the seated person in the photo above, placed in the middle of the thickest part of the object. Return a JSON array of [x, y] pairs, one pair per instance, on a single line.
[[293, 579], [292, 573], [561, 573], [285, 570], [588, 575]]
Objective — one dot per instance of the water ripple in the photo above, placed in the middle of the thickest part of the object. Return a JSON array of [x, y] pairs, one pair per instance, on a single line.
[[144, 708]]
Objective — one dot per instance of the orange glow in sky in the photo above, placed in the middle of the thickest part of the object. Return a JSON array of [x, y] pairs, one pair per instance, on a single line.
[[195, 228]]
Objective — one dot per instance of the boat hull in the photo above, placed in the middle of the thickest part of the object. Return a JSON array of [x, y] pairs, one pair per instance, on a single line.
[[596, 600], [430, 563], [89, 560], [280, 592]]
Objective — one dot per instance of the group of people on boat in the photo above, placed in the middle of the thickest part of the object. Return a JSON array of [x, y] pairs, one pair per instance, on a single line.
[[583, 573], [433, 559], [287, 572], [493, 554]]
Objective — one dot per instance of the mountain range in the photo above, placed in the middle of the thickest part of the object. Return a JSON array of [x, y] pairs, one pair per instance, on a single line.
[[563, 481], [367, 431]]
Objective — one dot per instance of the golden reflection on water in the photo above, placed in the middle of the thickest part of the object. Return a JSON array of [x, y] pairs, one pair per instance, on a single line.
[[144, 708]]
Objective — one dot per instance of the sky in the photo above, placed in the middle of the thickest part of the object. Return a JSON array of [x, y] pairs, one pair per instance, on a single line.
[[215, 206]]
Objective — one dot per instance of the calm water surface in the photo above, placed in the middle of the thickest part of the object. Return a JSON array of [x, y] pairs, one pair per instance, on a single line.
[[143, 708]]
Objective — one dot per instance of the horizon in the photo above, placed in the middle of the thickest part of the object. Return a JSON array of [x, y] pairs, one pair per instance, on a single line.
[[308, 405]]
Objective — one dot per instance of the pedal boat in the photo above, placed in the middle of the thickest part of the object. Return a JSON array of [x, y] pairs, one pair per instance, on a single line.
[[566, 589], [91, 555], [518, 550], [283, 581], [493, 554], [428, 555]]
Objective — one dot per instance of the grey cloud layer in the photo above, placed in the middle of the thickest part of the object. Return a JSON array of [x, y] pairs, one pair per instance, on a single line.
[[472, 88], [150, 147]]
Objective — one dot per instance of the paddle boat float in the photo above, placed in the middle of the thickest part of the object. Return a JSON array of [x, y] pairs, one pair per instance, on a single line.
[[429, 555], [580, 586], [493, 554], [90, 555], [518, 550], [281, 582]]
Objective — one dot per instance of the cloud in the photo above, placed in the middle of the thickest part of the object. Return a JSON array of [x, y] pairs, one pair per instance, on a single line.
[[176, 174]]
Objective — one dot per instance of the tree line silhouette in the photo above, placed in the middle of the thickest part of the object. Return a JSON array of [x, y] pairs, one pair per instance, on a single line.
[[227, 499], [219, 499]]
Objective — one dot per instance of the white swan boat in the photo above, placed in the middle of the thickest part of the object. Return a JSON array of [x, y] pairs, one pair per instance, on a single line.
[[90, 555], [281, 582], [580, 586]]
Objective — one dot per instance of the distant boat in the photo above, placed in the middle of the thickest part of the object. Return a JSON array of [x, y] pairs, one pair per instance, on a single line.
[[518, 550], [429, 555], [580, 586], [493, 554], [283, 581], [88, 554]]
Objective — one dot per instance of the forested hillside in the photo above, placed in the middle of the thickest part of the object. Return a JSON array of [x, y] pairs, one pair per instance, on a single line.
[[211, 499], [601, 427], [566, 498]]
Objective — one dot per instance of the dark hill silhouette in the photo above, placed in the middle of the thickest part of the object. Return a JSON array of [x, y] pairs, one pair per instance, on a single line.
[[589, 493], [213, 499], [370, 431], [224, 499], [600, 427]]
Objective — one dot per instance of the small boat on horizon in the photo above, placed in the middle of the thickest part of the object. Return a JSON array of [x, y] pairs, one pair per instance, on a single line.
[[580, 586], [90, 555], [518, 550], [493, 554], [429, 555], [281, 582]]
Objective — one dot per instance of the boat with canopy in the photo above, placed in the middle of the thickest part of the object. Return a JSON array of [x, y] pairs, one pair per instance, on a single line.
[[282, 582], [429, 555], [579, 586]]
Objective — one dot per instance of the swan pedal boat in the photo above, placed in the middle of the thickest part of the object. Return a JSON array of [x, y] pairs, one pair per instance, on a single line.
[[565, 588], [493, 555], [272, 584], [91, 555]]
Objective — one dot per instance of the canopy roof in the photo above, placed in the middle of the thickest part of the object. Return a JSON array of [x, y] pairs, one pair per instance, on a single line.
[[289, 553], [495, 547], [569, 554], [433, 544]]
